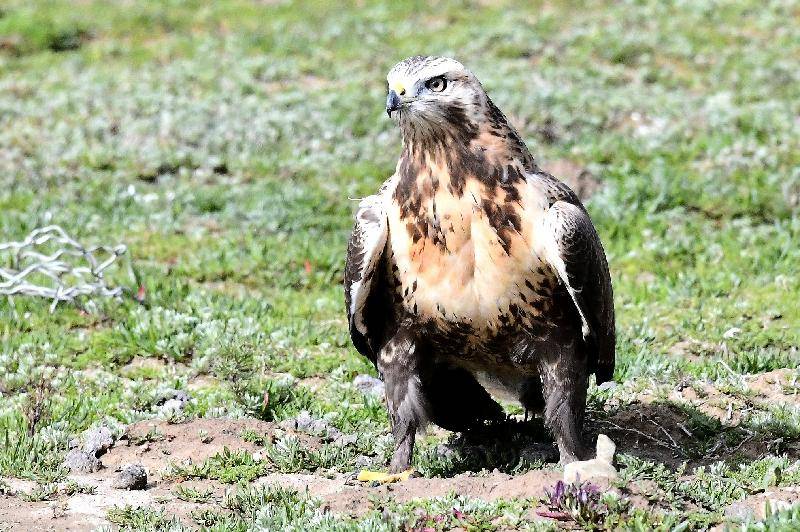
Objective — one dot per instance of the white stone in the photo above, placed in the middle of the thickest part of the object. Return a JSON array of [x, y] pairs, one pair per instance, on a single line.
[[602, 466]]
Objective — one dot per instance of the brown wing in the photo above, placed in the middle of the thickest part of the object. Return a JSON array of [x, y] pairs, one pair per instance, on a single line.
[[364, 283], [575, 252]]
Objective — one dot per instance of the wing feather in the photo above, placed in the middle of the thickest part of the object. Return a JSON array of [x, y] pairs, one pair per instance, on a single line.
[[574, 251], [361, 275]]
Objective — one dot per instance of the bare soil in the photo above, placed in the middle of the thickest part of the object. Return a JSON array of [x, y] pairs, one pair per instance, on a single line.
[[646, 428]]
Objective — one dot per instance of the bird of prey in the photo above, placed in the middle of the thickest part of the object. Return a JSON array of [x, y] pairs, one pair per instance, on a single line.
[[472, 273]]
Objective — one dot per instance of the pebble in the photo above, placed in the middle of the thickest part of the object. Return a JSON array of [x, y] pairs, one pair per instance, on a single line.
[[305, 422], [97, 441], [173, 402], [79, 461], [84, 452], [369, 385], [131, 477], [602, 466]]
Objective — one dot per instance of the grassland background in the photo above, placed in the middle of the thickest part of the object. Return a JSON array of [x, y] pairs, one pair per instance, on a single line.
[[222, 143]]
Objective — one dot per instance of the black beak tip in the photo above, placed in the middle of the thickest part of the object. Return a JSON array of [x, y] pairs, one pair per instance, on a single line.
[[392, 102]]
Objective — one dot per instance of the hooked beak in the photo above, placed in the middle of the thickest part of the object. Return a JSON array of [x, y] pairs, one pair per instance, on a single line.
[[393, 103]]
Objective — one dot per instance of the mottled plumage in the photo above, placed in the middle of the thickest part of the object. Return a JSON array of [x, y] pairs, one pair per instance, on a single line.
[[473, 272]]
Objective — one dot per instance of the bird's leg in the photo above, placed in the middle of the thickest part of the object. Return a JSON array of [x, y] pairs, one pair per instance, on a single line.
[[398, 362], [564, 382]]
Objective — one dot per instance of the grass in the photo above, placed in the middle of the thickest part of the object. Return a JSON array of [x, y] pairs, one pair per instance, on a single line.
[[222, 142]]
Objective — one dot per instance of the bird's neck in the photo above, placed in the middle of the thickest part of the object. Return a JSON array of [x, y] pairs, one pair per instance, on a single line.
[[449, 153]]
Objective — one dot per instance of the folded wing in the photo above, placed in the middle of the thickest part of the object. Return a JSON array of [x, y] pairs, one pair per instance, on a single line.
[[364, 289], [574, 251]]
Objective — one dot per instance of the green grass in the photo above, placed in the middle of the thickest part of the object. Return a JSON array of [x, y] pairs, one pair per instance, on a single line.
[[222, 142]]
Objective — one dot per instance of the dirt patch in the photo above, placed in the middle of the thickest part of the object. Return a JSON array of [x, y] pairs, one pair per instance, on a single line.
[[701, 423], [694, 350], [696, 422], [153, 444], [756, 506], [355, 500], [777, 385], [156, 444]]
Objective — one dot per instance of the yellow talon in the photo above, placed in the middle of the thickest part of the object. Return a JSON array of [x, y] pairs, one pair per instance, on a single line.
[[383, 478]]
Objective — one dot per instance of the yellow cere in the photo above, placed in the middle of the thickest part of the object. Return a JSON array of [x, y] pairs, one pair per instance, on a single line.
[[398, 87]]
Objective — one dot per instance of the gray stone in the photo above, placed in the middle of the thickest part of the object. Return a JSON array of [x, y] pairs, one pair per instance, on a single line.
[[131, 477], [79, 461], [445, 451], [739, 511], [97, 441], [288, 424], [181, 396], [171, 407], [172, 402], [369, 385], [363, 461], [305, 422], [346, 439], [608, 385]]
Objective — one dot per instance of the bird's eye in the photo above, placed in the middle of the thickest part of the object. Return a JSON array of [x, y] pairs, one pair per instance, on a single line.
[[437, 84]]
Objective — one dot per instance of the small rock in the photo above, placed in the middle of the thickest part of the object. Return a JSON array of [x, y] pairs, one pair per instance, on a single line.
[[171, 407], [79, 461], [97, 441], [172, 402], [331, 433], [445, 451], [363, 461], [369, 385], [739, 511], [258, 456], [303, 421], [131, 477], [347, 439], [608, 385], [732, 332], [181, 396], [599, 467], [288, 424], [530, 454]]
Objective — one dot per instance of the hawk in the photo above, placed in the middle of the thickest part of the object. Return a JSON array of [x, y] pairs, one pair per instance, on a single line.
[[474, 274]]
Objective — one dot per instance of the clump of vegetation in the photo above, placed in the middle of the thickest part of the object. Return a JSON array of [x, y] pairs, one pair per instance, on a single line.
[[142, 518], [228, 466], [579, 501]]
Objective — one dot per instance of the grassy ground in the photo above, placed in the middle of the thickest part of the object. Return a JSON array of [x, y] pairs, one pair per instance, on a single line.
[[222, 142]]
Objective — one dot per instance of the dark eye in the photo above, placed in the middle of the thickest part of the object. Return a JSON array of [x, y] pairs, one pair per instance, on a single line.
[[437, 84]]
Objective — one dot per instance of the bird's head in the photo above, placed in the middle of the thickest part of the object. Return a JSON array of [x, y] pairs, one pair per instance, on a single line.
[[434, 95]]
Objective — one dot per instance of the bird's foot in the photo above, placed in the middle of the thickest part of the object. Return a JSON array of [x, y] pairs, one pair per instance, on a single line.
[[384, 478]]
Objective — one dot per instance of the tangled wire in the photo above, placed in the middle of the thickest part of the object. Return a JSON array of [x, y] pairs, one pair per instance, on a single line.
[[68, 271]]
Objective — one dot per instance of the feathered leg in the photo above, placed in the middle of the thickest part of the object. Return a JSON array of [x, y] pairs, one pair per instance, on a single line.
[[399, 364], [564, 383]]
